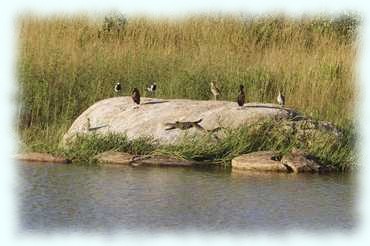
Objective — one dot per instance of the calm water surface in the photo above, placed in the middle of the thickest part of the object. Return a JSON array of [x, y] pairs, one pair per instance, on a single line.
[[57, 198]]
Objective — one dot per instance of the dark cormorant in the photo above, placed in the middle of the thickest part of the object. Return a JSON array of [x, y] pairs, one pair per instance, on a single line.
[[136, 96], [241, 96]]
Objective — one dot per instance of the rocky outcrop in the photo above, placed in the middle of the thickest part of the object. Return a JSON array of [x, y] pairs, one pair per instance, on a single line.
[[268, 161], [41, 157], [298, 162], [153, 117], [121, 158], [304, 126]]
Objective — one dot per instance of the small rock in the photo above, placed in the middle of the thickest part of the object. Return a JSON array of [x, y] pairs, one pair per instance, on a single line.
[[298, 162], [121, 158], [158, 160], [41, 157], [327, 169], [259, 161], [117, 158]]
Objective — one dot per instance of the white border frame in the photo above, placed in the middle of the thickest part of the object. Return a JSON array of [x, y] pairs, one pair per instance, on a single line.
[[8, 32]]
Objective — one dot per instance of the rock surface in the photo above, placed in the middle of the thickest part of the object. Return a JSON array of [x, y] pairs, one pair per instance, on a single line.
[[268, 161], [41, 157], [117, 158], [298, 162], [118, 115], [121, 158], [164, 161], [265, 161]]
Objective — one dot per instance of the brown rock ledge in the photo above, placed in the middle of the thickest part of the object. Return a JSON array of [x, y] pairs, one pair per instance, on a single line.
[[41, 157], [121, 158], [266, 161], [116, 158]]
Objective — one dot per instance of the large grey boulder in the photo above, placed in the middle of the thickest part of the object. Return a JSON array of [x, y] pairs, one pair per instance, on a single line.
[[118, 115]]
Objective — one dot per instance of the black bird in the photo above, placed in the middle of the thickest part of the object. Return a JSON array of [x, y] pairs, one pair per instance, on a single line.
[[241, 96], [118, 87], [152, 87], [136, 96]]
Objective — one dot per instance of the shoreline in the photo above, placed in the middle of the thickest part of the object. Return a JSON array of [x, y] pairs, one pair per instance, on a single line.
[[264, 163]]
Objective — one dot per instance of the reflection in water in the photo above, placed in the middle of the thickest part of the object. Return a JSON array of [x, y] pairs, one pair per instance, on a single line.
[[75, 198]]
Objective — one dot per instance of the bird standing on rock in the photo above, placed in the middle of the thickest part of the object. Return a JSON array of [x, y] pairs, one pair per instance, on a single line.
[[215, 91], [118, 87], [241, 96], [152, 88], [136, 96], [281, 99]]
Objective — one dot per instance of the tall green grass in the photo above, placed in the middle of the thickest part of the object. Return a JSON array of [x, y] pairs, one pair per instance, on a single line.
[[66, 63], [336, 151]]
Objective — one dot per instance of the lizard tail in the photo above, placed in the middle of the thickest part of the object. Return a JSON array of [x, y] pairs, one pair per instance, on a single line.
[[198, 121]]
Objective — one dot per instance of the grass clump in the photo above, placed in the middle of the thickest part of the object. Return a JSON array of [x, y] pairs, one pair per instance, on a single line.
[[84, 148]]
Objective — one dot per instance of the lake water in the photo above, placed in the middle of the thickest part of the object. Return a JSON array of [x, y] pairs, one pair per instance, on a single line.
[[56, 198]]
